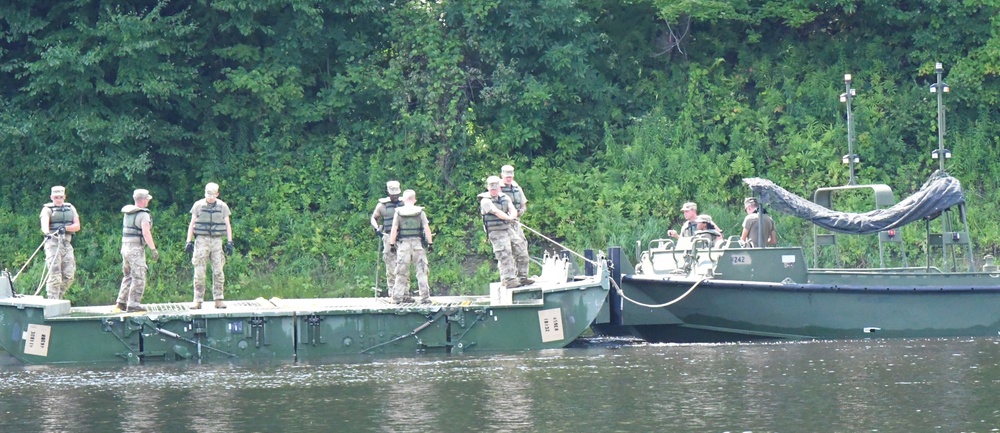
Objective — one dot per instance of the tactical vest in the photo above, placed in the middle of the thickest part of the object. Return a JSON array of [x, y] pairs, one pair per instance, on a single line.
[[515, 194], [210, 221], [390, 212], [62, 216], [493, 223], [129, 227], [410, 223]]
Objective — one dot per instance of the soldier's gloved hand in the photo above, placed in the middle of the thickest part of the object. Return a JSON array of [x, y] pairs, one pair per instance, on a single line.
[[430, 248], [61, 230], [377, 232], [392, 247], [189, 247], [229, 248], [155, 255]]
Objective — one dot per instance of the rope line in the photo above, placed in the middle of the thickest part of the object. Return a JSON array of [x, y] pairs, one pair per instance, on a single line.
[[48, 263], [558, 244], [688, 292], [29, 260]]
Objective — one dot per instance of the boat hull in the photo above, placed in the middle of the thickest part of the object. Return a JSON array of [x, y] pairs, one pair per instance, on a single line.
[[725, 311], [830, 305], [42, 331]]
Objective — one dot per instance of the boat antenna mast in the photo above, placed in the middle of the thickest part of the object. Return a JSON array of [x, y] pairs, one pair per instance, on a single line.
[[940, 88], [950, 239], [851, 158]]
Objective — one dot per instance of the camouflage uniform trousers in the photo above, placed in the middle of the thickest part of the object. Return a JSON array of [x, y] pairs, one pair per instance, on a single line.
[[134, 274], [410, 251], [61, 265], [502, 250], [389, 258], [519, 248], [208, 248]]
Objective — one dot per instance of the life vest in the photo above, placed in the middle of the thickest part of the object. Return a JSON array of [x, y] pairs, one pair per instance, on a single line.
[[130, 228], [410, 223], [515, 193], [390, 212], [688, 228], [491, 222], [210, 221], [62, 216]]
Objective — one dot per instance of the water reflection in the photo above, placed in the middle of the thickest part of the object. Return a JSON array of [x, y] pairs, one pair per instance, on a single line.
[[871, 385]]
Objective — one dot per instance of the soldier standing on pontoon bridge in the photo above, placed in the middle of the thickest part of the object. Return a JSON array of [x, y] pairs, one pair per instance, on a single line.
[[518, 243]]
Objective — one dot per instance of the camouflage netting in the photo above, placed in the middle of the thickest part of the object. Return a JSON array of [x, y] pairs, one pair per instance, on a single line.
[[940, 192]]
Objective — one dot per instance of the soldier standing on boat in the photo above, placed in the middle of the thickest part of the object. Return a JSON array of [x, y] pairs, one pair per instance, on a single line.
[[498, 212], [59, 220], [410, 232], [209, 224], [137, 233], [518, 243], [690, 210], [385, 210], [757, 226]]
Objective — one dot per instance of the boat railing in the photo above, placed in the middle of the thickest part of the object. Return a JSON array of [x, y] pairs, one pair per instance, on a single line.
[[683, 255], [890, 270], [660, 244]]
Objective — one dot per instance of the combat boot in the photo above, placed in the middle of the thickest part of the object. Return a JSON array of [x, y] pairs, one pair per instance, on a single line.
[[196, 306], [121, 306], [219, 304], [526, 281], [512, 283]]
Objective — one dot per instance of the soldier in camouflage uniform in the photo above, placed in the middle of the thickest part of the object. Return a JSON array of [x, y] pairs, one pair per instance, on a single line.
[[209, 224], [518, 243], [59, 220], [409, 232], [137, 233], [690, 210], [385, 210], [498, 212]]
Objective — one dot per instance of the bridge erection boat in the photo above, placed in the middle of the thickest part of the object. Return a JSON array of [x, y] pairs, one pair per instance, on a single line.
[[697, 289], [693, 290], [550, 313]]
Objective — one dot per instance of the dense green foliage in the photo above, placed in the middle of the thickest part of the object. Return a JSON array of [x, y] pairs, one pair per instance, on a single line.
[[613, 112]]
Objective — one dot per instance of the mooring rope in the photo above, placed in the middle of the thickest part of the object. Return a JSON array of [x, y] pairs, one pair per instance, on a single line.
[[57, 256], [688, 292], [558, 244], [29, 260]]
